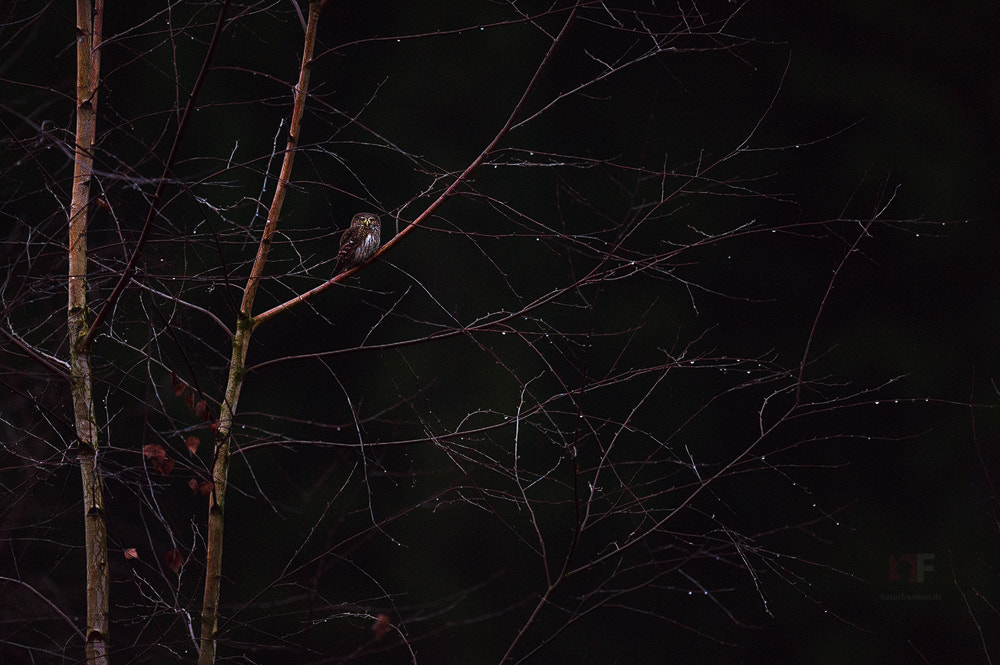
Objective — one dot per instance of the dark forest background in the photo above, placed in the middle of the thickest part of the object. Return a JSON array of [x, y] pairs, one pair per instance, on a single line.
[[854, 111]]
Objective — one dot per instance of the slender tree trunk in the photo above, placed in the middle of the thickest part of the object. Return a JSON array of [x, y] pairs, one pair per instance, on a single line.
[[237, 363], [88, 24]]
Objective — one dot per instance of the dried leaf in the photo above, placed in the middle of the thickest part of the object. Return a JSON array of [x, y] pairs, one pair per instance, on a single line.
[[155, 452], [192, 443], [174, 560], [130, 553], [381, 626], [177, 384], [203, 487]]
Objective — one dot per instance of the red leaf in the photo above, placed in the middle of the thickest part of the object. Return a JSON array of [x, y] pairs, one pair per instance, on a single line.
[[202, 487], [164, 466], [177, 384], [200, 408], [155, 452], [174, 560], [192, 443], [130, 553], [381, 626]]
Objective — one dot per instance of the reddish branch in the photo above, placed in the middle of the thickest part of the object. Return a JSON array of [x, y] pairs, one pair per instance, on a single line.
[[452, 189]]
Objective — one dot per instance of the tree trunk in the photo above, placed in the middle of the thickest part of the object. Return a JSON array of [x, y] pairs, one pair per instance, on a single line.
[[88, 22]]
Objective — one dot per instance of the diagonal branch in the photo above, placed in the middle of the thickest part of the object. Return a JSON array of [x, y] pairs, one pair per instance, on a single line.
[[452, 189], [161, 186]]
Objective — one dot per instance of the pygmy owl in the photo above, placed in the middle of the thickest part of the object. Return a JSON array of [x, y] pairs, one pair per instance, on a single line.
[[359, 241]]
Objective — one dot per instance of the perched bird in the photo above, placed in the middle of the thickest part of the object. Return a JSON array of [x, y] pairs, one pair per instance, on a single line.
[[359, 241]]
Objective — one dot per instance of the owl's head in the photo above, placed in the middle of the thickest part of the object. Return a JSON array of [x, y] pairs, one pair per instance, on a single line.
[[365, 219]]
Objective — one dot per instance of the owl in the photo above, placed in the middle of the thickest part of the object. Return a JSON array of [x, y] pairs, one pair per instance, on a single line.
[[359, 241]]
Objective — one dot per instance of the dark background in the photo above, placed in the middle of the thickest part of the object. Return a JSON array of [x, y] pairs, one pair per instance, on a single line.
[[922, 82], [850, 107]]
